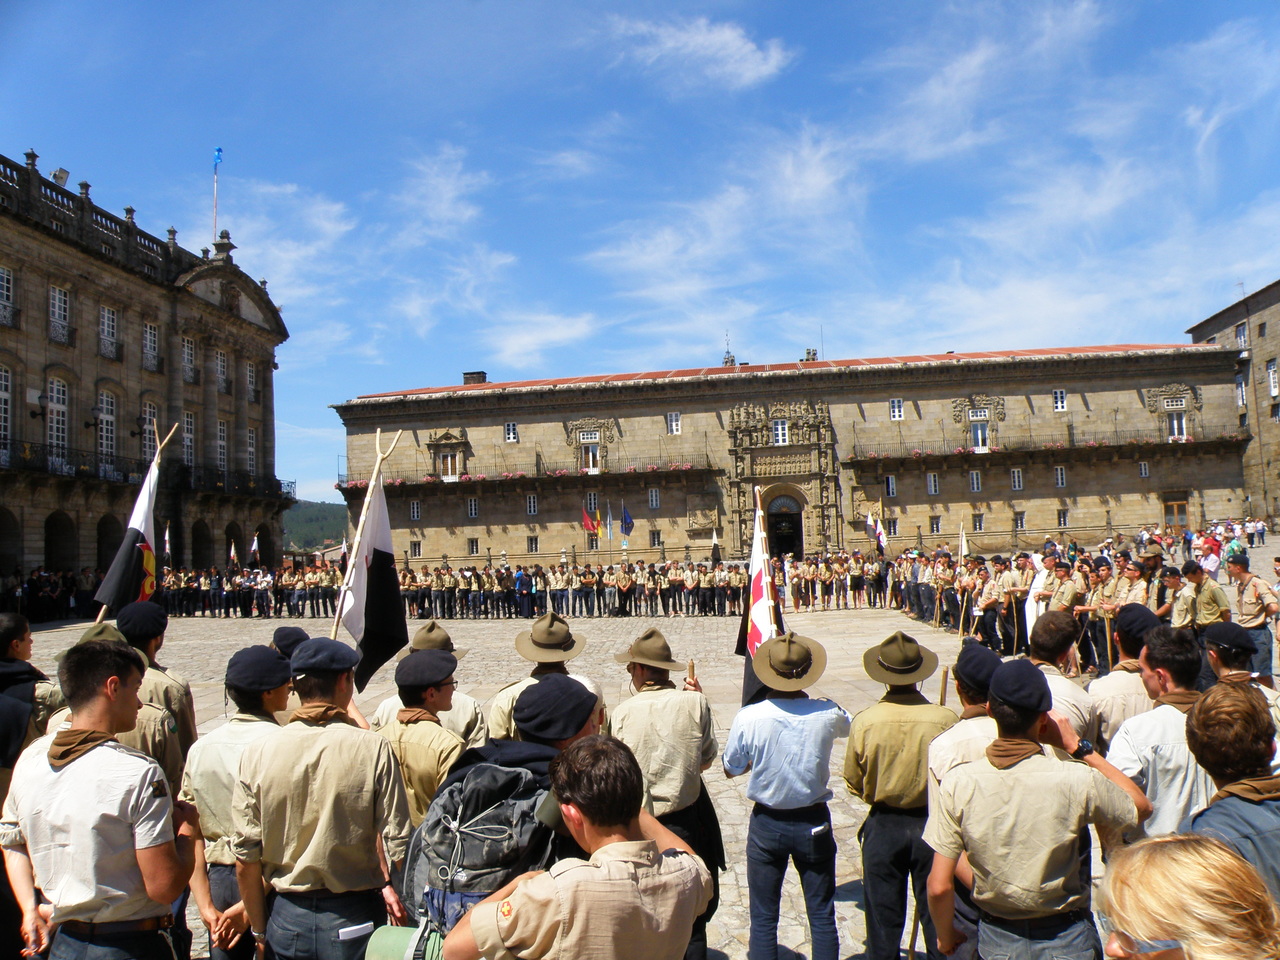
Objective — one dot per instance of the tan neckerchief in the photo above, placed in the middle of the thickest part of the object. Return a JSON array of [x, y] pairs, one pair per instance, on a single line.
[[1254, 789], [69, 745], [320, 714], [416, 715], [1182, 700], [1005, 752]]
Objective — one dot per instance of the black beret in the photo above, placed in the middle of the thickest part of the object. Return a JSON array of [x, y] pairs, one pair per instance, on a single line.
[[980, 559], [1100, 563], [1023, 556], [554, 708], [1135, 619], [322, 655], [975, 665], [1020, 684], [141, 621], [998, 559], [1229, 635], [1062, 565], [1124, 553], [1239, 559], [257, 668], [1191, 567], [1170, 572], [286, 639], [425, 668]]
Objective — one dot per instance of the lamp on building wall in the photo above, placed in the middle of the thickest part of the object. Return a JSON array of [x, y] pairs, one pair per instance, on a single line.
[[142, 423], [95, 412], [43, 401]]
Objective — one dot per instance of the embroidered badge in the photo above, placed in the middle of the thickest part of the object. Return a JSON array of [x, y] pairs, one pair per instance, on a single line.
[[159, 789], [504, 908]]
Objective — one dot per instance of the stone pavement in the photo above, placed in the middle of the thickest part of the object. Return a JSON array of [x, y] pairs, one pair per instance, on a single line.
[[198, 649]]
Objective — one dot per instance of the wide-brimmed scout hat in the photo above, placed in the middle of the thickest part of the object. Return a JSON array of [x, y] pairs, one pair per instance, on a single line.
[[651, 649], [432, 636], [899, 660], [549, 640], [789, 662]]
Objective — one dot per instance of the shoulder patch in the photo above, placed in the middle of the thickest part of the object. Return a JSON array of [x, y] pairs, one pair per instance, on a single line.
[[159, 788], [504, 909]]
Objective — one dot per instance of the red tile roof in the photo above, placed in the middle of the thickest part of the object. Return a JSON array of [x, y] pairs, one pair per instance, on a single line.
[[794, 367]]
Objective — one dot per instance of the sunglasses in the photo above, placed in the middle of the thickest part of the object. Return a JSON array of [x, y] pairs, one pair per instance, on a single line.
[[1132, 945]]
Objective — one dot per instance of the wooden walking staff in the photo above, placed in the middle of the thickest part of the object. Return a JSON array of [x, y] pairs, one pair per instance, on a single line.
[[942, 694], [1111, 639], [160, 445], [374, 478]]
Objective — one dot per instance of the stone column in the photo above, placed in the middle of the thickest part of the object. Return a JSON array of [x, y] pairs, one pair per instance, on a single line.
[[267, 440]]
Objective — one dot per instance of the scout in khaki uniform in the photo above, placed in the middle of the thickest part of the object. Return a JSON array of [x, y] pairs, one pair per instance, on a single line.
[[314, 839], [672, 734], [464, 717], [1182, 613], [1094, 650], [1256, 604], [1018, 816], [549, 644], [635, 899], [1064, 594], [257, 682], [886, 765], [1230, 650], [1211, 603], [143, 625]]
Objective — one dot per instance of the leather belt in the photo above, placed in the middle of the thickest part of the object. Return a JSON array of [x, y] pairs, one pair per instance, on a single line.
[[87, 930]]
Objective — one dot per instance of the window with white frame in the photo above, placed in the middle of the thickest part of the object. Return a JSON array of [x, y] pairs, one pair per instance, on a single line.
[[415, 509], [655, 539], [1015, 478], [6, 285], [107, 324], [896, 409], [511, 432], [473, 546], [150, 346], [975, 481], [891, 527], [1177, 424], [1273, 382], [150, 413], [655, 498], [931, 484], [781, 432], [106, 425], [1242, 335], [593, 501], [531, 505], [977, 522], [473, 507], [890, 485], [673, 423], [415, 549], [1144, 469], [251, 380], [1175, 403], [220, 370], [1242, 398], [1059, 476], [59, 314], [530, 545], [979, 413], [222, 446], [6, 401], [589, 445], [188, 438], [978, 433], [1019, 520], [1059, 401], [56, 417], [935, 525], [449, 466], [188, 352], [1064, 516], [1275, 413], [251, 452]]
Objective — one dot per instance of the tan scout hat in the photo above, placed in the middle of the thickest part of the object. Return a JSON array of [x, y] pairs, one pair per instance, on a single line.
[[432, 636], [789, 662], [651, 649], [899, 660], [549, 640]]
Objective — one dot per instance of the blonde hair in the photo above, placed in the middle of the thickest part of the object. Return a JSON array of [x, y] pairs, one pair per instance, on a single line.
[[1195, 890]]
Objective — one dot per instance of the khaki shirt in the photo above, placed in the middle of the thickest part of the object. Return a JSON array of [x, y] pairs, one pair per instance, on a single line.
[[310, 804], [1252, 598], [213, 766], [1021, 828], [1117, 697], [426, 752], [46, 700], [641, 904], [1183, 613], [1007, 582], [173, 693], [887, 758], [673, 736], [1064, 596], [1120, 594], [1137, 592], [1211, 602], [967, 740], [464, 718]]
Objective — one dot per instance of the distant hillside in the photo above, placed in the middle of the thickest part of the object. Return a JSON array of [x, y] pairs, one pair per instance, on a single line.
[[308, 524]]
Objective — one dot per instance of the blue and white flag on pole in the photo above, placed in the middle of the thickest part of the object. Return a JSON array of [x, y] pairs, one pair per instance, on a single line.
[[217, 158], [608, 523]]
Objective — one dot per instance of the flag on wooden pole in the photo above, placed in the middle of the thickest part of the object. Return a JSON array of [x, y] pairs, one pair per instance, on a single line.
[[132, 574], [761, 618]]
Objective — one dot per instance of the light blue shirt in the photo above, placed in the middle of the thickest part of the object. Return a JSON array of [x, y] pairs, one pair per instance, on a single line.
[[786, 744]]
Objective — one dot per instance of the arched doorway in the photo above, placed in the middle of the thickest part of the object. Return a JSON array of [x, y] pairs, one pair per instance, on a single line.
[[110, 536], [201, 546], [786, 526], [236, 544], [61, 545], [10, 545], [266, 546]]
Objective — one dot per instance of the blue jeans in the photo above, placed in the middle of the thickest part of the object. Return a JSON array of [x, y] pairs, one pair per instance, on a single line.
[[1079, 941], [153, 945], [804, 838], [893, 856], [306, 926], [225, 892], [1261, 661]]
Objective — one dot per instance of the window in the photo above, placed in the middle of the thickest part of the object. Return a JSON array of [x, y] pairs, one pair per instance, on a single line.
[[473, 507], [1262, 330], [593, 541], [530, 545], [220, 370], [1177, 420], [975, 481], [1059, 401], [473, 546], [449, 466], [6, 398], [590, 447], [56, 415], [890, 486], [190, 373], [107, 325], [415, 549], [251, 458], [891, 527], [931, 484], [1144, 469], [1241, 398], [1273, 384], [1063, 516], [151, 347], [1059, 476], [1175, 403], [1015, 478], [895, 408], [593, 501], [978, 433], [655, 539], [106, 431], [511, 432], [781, 433], [188, 438], [60, 315], [979, 413], [935, 525], [415, 509], [1275, 413], [977, 521], [531, 506], [673, 423], [6, 285], [1244, 419], [655, 498], [150, 413], [251, 380], [1242, 335], [1019, 520], [222, 445]]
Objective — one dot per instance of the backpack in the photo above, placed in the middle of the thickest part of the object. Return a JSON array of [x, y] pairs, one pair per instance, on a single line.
[[480, 832]]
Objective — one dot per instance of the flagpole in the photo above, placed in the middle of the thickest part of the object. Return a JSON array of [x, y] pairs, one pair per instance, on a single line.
[[375, 478], [217, 159]]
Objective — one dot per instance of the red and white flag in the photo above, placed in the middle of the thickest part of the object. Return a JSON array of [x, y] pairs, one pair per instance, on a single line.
[[761, 622]]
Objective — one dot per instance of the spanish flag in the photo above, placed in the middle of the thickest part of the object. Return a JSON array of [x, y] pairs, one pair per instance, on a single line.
[[132, 575]]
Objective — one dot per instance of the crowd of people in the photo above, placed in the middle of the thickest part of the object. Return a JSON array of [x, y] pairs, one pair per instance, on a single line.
[[544, 824]]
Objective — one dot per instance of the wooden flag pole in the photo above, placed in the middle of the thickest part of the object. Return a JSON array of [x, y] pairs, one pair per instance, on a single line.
[[942, 695], [374, 478], [1111, 646]]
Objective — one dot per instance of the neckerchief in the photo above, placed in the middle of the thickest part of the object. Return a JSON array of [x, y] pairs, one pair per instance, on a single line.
[[320, 714], [69, 745], [1128, 666], [1182, 700], [416, 715], [1255, 789], [973, 710], [1005, 752]]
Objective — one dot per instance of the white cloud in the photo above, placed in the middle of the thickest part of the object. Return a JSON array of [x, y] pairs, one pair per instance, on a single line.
[[436, 199], [522, 339], [698, 53], [457, 281]]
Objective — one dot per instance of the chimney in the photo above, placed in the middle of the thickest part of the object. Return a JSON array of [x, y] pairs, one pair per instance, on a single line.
[[474, 376]]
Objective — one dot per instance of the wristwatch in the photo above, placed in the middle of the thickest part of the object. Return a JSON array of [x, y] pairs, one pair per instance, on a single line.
[[1082, 750]]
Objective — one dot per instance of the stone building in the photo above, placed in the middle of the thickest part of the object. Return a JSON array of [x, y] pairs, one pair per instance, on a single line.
[[1079, 441], [1251, 327], [106, 330]]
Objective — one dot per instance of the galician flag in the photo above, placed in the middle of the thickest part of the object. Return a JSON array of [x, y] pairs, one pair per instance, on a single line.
[[370, 606], [132, 574]]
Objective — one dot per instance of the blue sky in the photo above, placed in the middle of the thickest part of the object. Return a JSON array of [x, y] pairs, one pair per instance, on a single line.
[[559, 188]]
